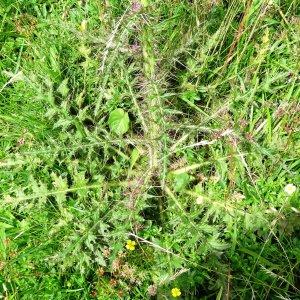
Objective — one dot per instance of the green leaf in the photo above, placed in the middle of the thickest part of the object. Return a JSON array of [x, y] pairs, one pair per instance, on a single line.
[[189, 96], [181, 181], [2, 242], [219, 296], [63, 88], [135, 154], [217, 244], [257, 256], [145, 3], [99, 258], [118, 121]]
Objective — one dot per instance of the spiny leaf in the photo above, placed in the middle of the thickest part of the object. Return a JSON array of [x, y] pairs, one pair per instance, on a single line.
[[63, 88]]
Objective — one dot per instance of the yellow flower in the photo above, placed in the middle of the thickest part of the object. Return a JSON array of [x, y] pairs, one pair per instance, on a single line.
[[83, 26], [290, 189], [130, 245], [175, 292]]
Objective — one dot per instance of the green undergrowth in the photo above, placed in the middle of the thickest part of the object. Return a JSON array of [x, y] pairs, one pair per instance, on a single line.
[[147, 146]]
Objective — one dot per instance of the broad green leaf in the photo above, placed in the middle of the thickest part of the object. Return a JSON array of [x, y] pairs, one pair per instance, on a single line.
[[190, 96], [118, 121], [181, 181]]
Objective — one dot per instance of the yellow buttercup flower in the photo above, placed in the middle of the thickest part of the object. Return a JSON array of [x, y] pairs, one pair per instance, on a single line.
[[290, 189], [130, 245], [175, 292]]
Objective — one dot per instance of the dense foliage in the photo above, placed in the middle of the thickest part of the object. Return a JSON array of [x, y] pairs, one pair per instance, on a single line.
[[149, 149]]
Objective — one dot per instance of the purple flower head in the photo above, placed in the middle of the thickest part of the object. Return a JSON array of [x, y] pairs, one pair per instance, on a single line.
[[136, 6]]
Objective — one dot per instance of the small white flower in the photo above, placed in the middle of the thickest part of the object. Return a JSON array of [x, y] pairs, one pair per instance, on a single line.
[[290, 189], [200, 200]]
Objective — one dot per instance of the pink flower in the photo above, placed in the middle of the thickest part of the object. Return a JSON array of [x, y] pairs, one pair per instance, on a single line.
[[135, 47], [136, 6]]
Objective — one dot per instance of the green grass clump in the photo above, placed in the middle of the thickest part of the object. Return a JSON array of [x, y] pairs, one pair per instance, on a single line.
[[149, 149]]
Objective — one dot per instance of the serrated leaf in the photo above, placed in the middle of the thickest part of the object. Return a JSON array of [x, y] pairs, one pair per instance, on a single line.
[[118, 121], [63, 88], [61, 186], [54, 58], [99, 258], [217, 245]]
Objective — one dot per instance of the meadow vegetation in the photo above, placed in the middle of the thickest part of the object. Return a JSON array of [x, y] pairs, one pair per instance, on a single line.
[[149, 149]]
